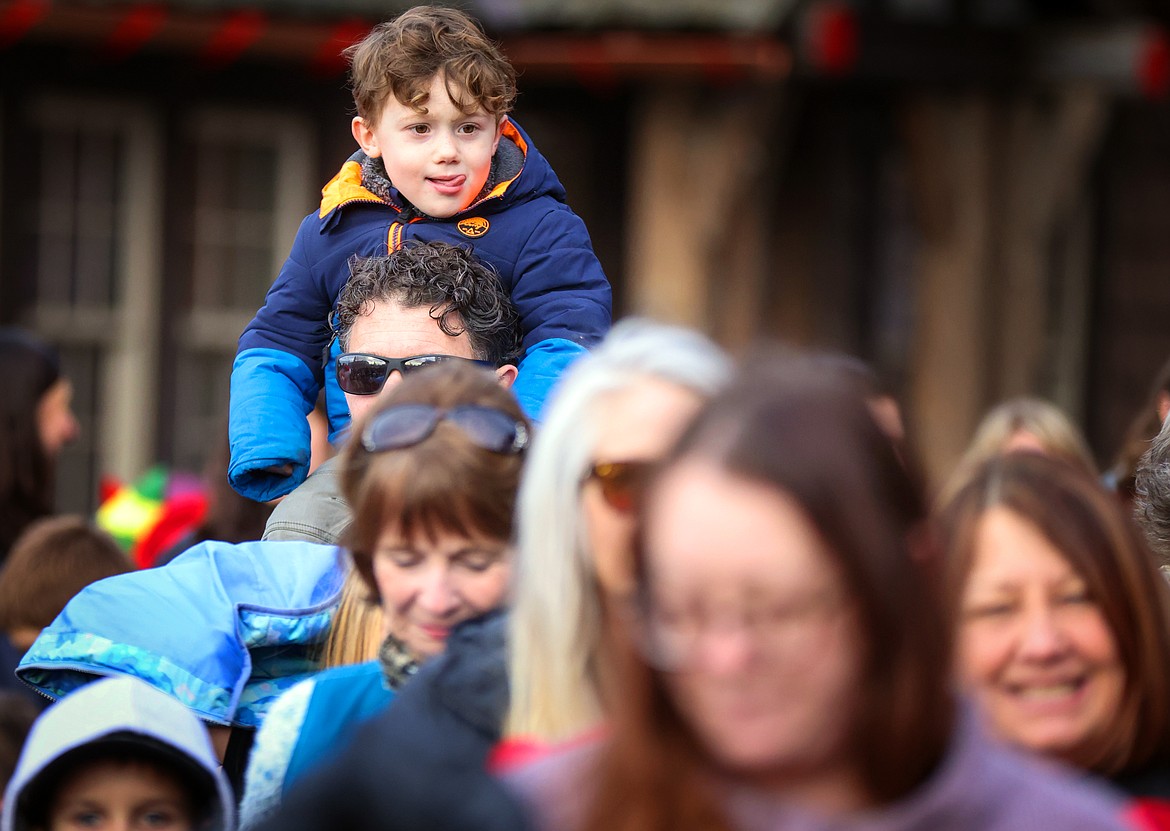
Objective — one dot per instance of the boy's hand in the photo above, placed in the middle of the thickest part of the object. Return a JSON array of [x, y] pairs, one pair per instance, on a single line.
[[279, 470]]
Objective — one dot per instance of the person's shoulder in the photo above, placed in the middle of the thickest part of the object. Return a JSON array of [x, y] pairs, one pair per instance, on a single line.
[[1029, 792], [348, 674], [315, 511], [556, 783]]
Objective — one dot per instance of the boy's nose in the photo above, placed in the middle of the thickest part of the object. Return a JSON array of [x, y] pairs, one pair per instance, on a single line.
[[445, 149]]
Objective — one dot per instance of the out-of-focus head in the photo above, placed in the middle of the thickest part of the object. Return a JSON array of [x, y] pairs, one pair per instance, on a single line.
[[852, 370], [424, 299], [52, 560], [1062, 621], [37, 401], [616, 410], [431, 473], [777, 565], [1151, 505], [1147, 422], [1021, 425]]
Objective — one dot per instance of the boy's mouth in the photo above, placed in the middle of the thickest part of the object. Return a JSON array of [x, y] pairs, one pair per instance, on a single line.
[[448, 185]]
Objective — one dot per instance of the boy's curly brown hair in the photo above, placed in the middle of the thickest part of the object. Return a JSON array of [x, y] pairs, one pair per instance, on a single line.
[[401, 56]]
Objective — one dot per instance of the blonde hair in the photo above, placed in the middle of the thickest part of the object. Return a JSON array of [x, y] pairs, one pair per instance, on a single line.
[[556, 619], [1055, 433], [356, 632]]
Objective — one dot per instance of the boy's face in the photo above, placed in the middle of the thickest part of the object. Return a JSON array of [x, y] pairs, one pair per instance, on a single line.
[[439, 159], [123, 795]]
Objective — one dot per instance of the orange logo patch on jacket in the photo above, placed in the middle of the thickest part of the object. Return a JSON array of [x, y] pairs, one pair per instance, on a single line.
[[475, 226]]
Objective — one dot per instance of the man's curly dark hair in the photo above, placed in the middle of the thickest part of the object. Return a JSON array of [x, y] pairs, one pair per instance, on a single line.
[[462, 293], [1151, 503]]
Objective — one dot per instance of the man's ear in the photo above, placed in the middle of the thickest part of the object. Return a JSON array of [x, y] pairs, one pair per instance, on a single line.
[[365, 137], [506, 375]]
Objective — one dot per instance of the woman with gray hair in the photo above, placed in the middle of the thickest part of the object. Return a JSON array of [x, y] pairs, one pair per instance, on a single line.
[[617, 412]]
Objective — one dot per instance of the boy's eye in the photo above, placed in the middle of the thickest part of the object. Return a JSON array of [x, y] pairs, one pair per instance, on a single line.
[[87, 819], [468, 129], [419, 129]]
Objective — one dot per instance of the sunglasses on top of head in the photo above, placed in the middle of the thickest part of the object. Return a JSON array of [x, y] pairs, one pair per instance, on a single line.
[[406, 425], [359, 373]]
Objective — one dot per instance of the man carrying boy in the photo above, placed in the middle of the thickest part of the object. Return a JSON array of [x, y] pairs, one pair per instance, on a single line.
[[439, 161]]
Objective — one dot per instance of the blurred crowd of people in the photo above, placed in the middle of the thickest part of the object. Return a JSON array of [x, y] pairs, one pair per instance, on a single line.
[[560, 575], [698, 594]]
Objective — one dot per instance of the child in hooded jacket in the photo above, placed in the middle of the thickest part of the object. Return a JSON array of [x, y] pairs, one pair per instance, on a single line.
[[118, 753], [440, 160]]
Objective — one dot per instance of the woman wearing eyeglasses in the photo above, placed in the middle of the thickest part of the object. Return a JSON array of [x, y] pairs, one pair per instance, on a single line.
[[783, 663], [431, 472]]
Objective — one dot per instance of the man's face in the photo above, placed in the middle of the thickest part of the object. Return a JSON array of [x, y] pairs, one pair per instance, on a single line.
[[393, 331]]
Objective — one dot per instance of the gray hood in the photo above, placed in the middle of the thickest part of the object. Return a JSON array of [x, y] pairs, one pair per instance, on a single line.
[[111, 711]]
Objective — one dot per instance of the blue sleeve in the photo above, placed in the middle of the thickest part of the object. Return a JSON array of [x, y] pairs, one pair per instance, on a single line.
[[542, 365], [559, 288], [336, 407], [277, 375], [272, 392]]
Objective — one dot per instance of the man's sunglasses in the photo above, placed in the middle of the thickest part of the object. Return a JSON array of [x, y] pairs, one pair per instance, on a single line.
[[362, 374], [408, 424], [621, 482]]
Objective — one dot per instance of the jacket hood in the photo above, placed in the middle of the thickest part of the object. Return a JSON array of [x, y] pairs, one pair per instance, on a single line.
[[117, 712], [223, 628], [522, 173]]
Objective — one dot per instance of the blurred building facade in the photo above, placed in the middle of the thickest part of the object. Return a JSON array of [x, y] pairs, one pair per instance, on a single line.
[[973, 195]]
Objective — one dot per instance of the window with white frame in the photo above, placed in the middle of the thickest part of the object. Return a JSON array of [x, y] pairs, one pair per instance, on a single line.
[[96, 240], [253, 183]]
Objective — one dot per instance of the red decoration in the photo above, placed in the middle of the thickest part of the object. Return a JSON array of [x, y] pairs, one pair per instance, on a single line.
[[235, 35], [1153, 69], [18, 18], [136, 28], [329, 60], [833, 37]]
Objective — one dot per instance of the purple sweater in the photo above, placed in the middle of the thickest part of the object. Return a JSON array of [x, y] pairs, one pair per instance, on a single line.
[[979, 786]]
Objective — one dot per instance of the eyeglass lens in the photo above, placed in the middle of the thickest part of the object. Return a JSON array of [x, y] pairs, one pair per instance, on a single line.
[[360, 374]]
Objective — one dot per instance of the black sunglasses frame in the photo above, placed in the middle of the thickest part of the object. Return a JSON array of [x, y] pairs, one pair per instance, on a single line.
[[401, 365]]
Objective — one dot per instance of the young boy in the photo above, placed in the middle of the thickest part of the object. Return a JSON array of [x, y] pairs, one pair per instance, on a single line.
[[118, 754], [439, 161]]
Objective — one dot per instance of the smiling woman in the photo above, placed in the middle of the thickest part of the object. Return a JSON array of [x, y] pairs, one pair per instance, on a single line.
[[431, 471], [1062, 620]]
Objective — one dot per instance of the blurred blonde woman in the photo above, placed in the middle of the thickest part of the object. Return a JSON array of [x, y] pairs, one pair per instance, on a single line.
[[1020, 424]]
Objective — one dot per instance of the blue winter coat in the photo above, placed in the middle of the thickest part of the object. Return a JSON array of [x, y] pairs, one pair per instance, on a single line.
[[523, 228], [223, 628]]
